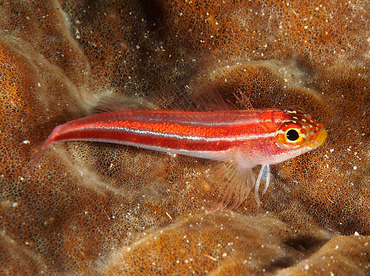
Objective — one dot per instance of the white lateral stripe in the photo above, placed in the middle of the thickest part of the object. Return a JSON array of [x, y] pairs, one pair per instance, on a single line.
[[192, 137], [212, 155], [218, 123]]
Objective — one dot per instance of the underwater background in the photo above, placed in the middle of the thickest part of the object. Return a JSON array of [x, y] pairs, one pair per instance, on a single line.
[[95, 208]]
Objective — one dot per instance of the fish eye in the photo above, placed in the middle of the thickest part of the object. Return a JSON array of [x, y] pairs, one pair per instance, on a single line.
[[292, 135]]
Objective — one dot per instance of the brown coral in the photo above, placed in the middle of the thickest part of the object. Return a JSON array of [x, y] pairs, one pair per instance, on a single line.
[[99, 208]]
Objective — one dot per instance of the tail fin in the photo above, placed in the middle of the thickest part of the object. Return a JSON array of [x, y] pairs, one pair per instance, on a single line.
[[37, 156]]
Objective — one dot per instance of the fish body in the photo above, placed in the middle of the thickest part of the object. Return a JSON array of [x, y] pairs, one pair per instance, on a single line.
[[242, 139]]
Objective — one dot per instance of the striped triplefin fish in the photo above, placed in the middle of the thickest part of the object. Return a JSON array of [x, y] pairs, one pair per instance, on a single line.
[[239, 139]]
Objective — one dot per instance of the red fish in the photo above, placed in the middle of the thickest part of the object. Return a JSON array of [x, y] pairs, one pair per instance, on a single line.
[[242, 139]]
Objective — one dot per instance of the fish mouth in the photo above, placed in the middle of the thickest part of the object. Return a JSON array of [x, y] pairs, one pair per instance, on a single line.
[[319, 137]]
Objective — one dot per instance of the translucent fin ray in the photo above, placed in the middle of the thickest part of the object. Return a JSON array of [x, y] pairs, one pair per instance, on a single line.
[[236, 184]]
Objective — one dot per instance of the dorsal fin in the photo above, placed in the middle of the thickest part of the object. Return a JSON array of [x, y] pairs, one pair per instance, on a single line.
[[192, 97], [110, 104], [244, 100]]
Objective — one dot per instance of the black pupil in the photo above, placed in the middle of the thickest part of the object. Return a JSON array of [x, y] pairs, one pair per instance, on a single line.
[[292, 135]]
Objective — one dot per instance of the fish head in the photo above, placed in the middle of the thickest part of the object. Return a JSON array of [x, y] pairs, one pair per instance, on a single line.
[[299, 133]]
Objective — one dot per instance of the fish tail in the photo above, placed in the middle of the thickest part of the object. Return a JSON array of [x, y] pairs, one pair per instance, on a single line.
[[36, 157]]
